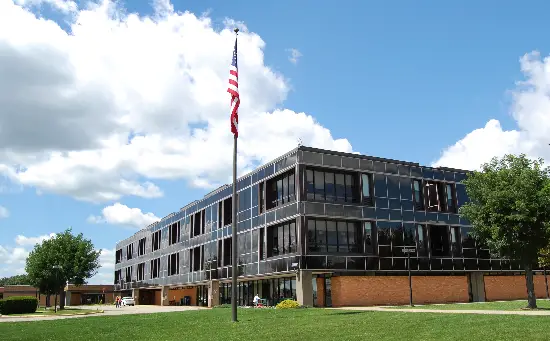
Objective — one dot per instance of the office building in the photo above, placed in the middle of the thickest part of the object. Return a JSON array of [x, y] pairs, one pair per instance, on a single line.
[[325, 228]]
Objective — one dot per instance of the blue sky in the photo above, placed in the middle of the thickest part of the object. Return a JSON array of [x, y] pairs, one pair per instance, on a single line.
[[416, 81]]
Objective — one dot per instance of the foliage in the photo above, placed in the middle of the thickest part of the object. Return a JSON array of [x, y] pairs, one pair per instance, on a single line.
[[544, 256], [15, 280], [18, 305], [65, 257], [509, 210], [287, 304]]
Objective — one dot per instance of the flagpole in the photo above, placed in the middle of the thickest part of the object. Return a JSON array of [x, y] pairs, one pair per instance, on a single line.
[[234, 265]]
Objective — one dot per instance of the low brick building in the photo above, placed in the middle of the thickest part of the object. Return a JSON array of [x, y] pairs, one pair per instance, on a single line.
[[74, 295], [22, 290], [89, 294]]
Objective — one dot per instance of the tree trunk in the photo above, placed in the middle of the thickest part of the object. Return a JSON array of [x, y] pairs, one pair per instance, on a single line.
[[62, 299], [55, 306], [531, 298]]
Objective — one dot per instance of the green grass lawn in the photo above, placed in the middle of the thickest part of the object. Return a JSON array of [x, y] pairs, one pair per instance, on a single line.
[[509, 305], [271, 324]]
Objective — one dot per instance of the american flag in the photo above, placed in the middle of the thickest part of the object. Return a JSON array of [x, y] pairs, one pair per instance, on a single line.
[[233, 90]]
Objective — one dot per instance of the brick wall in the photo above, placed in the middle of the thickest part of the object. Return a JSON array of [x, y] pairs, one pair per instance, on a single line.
[[157, 297], [178, 294], [502, 288], [394, 290]]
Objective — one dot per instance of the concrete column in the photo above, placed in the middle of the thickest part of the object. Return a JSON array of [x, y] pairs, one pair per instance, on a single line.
[[135, 295], [68, 298], [304, 288], [164, 295], [477, 286], [213, 294]]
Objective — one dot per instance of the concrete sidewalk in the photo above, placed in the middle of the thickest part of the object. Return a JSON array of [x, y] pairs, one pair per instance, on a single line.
[[109, 310], [450, 311]]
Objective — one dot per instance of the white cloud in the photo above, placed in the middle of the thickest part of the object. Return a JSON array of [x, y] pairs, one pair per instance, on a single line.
[[531, 111], [14, 257], [32, 241], [4, 213], [294, 55], [105, 274], [119, 214], [124, 100], [65, 6]]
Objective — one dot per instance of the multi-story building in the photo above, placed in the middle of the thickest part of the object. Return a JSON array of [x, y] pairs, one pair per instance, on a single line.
[[325, 228]]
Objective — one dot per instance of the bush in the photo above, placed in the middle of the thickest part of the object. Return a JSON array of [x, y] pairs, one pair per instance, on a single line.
[[18, 305], [287, 304]]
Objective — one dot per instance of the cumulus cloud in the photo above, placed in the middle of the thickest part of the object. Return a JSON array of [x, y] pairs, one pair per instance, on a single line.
[[121, 100], [4, 213], [531, 111], [13, 255], [65, 6], [119, 214], [13, 258], [294, 55], [32, 241], [105, 274]]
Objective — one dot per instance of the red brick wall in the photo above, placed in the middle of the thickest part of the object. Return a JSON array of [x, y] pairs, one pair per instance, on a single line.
[[178, 294], [502, 288], [394, 290]]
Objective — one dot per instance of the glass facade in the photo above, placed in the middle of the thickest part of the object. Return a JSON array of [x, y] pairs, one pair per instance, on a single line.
[[273, 290], [312, 209]]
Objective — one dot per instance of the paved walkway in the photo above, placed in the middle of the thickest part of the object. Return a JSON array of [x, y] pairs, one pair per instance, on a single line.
[[451, 311], [109, 310]]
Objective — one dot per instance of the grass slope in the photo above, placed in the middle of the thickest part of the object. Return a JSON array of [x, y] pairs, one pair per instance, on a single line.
[[509, 305], [302, 324]]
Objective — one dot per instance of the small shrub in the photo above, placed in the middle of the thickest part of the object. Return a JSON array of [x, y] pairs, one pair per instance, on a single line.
[[18, 305], [288, 304]]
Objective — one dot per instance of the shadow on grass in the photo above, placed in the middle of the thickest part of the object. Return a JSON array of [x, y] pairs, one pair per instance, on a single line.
[[536, 309], [348, 312]]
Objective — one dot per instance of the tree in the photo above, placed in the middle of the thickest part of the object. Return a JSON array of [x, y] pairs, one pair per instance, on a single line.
[[15, 280], [509, 210], [64, 258]]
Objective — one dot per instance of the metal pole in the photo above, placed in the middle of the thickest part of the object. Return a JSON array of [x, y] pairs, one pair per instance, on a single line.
[[234, 265], [56, 289], [410, 279], [545, 281]]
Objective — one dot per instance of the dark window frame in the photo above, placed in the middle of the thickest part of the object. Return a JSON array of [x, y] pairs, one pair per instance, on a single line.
[[142, 246], [348, 191], [279, 190], [173, 264], [129, 251], [326, 246]]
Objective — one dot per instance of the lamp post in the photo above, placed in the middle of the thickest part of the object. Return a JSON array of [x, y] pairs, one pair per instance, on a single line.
[[56, 268], [408, 250]]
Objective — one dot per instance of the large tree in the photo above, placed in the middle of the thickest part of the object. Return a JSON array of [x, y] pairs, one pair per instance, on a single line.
[[509, 210], [15, 280], [64, 258]]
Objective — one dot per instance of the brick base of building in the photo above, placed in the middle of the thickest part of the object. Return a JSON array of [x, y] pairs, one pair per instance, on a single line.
[[394, 290]]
